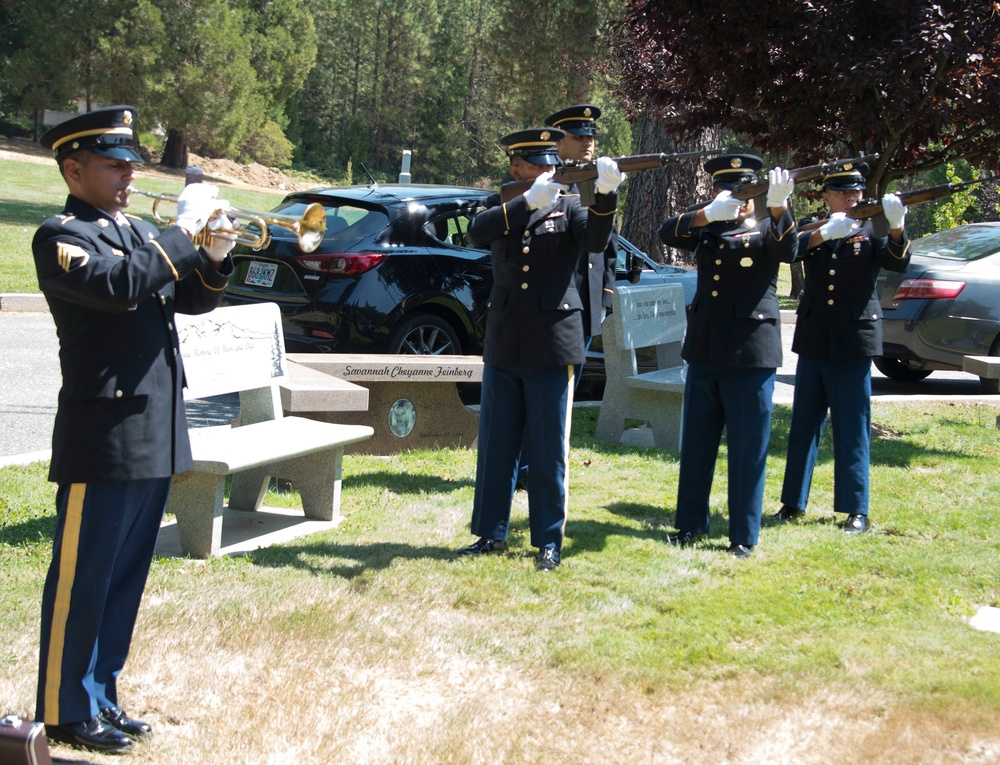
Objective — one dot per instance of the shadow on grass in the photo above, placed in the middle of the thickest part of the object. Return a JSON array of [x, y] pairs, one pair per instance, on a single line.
[[347, 561], [33, 531], [407, 483], [25, 213]]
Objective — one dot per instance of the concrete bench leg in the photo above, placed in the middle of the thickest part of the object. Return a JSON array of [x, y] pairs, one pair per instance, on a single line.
[[666, 421], [611, 419], [317, 478], [199, 526], [247, 489]]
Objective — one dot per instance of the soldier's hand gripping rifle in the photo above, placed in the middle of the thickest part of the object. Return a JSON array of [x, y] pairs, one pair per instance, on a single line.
[[798, 174], [869, 209], [583, 174]]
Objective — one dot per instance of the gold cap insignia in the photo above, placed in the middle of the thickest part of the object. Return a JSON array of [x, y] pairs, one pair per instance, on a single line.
[[587, 112], [66, 252], [76, 144], [545, 135], [849, 166], [736, 162], [127, 119]]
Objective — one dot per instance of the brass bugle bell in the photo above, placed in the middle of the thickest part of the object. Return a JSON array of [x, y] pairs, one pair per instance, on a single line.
[[308, 227]]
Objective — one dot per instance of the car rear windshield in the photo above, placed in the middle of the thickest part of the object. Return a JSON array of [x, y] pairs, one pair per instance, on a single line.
[[962, 243], [345, 224]]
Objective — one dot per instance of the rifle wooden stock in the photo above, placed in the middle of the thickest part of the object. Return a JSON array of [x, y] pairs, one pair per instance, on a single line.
[[866, 210], [583, 174], [799, 175]]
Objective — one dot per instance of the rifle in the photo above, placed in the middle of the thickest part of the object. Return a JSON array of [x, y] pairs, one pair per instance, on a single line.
[[583, 174], [869, 209], [798, 174]]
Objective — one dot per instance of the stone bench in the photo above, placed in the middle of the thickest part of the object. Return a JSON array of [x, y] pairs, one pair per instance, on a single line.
[[648, 316], [240, 349], [987, 367], [413, 401]]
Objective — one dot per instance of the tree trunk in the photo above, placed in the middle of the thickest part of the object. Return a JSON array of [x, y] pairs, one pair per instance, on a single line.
[[655, 195], [175, 151]]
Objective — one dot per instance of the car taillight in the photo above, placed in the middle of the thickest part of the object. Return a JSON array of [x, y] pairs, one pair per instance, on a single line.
[[341, 263], [912, 289]]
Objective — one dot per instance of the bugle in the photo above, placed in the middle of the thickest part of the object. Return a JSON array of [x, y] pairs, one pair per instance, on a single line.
[[308, 227]]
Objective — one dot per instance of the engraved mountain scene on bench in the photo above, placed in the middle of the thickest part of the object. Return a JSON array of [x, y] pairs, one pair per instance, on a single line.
[[250, 340]]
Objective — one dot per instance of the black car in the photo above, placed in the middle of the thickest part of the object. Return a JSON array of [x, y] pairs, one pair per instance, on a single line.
[[945, 306], [393, 274]]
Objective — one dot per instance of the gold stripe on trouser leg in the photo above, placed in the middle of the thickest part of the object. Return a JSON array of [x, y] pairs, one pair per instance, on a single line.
[[566, 428], [64, 590]]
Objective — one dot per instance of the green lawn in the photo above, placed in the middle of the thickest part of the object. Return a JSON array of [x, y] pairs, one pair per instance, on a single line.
[[383, 645]]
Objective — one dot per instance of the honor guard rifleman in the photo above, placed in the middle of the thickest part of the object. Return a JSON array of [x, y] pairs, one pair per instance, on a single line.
[[838, 329], [534, 339], [113, 283], [732, 345]]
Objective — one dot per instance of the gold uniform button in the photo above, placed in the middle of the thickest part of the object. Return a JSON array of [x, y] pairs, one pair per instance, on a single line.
[[717, 277], [718, 262], [524, 286], [525, 268], [118, 394], [715, 293], [746, 243], [830, 301], [170, 325], [525, 250], [722, 245], [834, 256], [527, 234], [830, 287], [832, 272]]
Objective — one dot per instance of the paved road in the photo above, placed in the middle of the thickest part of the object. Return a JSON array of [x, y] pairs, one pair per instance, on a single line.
[[30, 379]]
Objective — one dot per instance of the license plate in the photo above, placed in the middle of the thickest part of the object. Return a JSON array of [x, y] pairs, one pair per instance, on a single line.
[[261, 274]]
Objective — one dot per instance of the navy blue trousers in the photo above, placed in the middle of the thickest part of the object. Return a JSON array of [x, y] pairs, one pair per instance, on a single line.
[[102, 549], [533, 405], [845, 389], [739, 400]]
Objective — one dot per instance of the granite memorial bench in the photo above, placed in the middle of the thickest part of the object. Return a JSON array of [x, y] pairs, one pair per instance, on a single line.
[[646, 316], [240, 349], [414, 400]]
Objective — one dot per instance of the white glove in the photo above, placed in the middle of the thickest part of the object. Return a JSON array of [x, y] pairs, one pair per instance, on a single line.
[[543, 192], [221, 243], [894, 210], [780, 187], [609, 176], [838, 227], [723, 207], [196, 204]]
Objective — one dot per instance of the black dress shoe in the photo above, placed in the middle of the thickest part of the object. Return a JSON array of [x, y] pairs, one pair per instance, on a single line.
[[93, 735], [683, 538], [484, 546], [856, 524], [134, 729], [788, 513], [739, 551], [547, 559]]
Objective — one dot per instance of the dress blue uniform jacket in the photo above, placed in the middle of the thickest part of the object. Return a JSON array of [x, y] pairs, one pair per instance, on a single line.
[[839, 316], [121, 412], [734, 319], [535, 314]]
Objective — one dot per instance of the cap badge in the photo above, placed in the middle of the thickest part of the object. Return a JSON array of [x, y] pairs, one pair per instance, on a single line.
[[849, 166], [76, 144], [736, 162], [545, 135], [127, 119], [587, 112]]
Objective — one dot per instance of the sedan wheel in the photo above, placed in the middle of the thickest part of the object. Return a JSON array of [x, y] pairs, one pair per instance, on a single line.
[[895, 369], [424, 334]]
